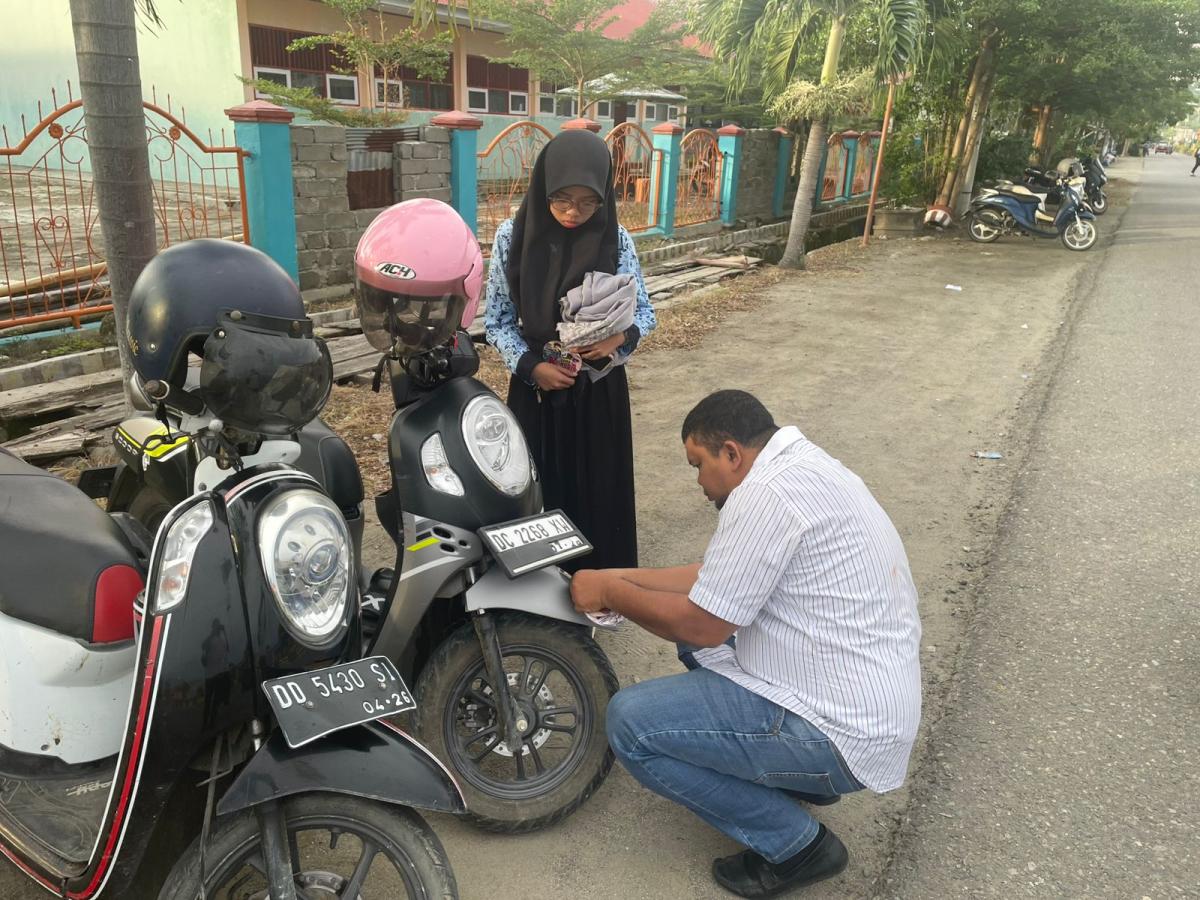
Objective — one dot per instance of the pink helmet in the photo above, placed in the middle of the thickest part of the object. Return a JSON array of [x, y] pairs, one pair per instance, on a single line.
[[419, 273]]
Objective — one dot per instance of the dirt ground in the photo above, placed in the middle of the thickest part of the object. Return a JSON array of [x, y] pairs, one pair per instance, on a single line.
[[902, 378]]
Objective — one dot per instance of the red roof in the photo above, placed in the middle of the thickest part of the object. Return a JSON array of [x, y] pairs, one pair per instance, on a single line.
[[632, 15]]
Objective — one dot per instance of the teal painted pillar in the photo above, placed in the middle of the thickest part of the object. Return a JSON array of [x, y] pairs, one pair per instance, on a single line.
[[783, 163], [262, 130], [729, 140], [817, 194], [850, 142], [664, 178], [464, 163]]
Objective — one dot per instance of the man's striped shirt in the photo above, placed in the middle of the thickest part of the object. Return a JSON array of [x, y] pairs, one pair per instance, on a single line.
[[810, 568]]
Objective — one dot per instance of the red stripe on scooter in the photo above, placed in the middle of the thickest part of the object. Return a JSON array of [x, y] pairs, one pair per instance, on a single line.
[[139, 730]]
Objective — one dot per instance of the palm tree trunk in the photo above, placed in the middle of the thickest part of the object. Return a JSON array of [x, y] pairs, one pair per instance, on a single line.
[[814, 148], [974, 134], [956, 158], [111, 88]]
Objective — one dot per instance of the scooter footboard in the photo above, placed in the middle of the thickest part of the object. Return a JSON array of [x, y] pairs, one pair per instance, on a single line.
[[376, 761], [545, 592]]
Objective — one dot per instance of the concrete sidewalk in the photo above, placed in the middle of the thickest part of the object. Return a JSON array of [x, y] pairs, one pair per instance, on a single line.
[[1067, 766]]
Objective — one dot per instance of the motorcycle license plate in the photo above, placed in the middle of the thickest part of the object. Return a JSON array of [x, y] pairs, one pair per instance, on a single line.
[[310, 705], [524, 545]]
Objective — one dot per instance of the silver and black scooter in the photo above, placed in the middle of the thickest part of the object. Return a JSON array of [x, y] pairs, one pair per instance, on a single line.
[[511, 686]]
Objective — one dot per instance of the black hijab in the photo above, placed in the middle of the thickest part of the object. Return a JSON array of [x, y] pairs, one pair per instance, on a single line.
[[546, 260]]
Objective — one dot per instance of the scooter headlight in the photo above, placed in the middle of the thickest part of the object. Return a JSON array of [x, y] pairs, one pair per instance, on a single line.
[[497, 444], [179, 550], [306, 555]]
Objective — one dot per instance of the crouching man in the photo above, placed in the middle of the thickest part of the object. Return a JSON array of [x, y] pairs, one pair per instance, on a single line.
[[800, 633]]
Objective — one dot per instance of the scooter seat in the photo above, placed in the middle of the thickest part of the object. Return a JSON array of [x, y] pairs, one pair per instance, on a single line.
[[64, 564]]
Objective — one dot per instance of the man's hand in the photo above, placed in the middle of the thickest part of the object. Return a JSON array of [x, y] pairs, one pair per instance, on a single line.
[[602, 350], [589, 590]]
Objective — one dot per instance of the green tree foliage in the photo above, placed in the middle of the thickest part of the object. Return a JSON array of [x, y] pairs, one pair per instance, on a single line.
[[366, 44]]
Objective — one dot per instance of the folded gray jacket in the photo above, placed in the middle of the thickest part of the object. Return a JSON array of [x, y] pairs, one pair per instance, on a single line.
[[601, 307]]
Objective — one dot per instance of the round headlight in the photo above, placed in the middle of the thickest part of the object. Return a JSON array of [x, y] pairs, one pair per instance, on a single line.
[[306, 554], [497, 444]]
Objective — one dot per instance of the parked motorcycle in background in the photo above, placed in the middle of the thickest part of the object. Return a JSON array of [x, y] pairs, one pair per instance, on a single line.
[[1015, 209], [196, 695]]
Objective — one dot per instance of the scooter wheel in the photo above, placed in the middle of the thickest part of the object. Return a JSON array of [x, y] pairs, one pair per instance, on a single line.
[[334, 834], [562, 682], [986, 226], [1079, 235], [1099, 203]]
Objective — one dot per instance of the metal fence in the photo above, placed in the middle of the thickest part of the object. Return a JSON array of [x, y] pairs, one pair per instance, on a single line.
[[52, 264]]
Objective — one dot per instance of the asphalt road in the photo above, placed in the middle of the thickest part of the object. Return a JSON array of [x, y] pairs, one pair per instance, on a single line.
[[1068, 763]]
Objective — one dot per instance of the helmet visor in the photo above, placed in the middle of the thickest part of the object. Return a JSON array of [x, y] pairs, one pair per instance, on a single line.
[[265, 382], [407, 322]]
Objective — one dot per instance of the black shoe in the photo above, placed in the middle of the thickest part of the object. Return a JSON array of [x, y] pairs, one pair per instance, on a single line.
[[815, 799], [748, 874]]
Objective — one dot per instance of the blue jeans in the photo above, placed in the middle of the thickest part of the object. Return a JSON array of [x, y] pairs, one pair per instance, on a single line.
[[728, 755]]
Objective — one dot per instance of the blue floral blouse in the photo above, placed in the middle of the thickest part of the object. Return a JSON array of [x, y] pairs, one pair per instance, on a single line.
[[500, 319]]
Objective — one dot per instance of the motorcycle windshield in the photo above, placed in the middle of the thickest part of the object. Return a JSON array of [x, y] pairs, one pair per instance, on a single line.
[[265, 382]]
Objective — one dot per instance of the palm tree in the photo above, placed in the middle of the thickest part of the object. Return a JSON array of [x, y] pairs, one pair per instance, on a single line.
[[776, 31], [110, 86]]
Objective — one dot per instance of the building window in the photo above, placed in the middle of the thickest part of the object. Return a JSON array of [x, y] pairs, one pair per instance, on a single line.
[[314, 81], [395, 93], [651, 112], [342, 89], [496, 88], [604, 109], [404, 88], [279, 76], [546, 104], [567, 108], [672, 113]]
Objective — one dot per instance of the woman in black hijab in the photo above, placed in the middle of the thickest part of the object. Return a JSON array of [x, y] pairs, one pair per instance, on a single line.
[[578, 427]]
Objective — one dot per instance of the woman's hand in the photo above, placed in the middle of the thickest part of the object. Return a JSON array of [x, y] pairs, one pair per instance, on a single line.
[[602, 350], [550, 377]]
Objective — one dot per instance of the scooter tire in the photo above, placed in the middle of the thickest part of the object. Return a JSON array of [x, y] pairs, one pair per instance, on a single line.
[[150, 508], [459, 654], [398, 831], [1084, 245], [1099, 203], [989, 219]]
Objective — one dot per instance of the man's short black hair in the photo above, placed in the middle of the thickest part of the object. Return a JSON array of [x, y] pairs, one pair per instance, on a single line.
[[729, 416]]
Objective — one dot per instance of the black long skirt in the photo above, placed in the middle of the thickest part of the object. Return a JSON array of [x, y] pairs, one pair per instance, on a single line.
[[582, 442]]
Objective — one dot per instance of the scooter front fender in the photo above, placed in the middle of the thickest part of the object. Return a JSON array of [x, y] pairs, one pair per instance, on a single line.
[[376, 761], [545, 592]]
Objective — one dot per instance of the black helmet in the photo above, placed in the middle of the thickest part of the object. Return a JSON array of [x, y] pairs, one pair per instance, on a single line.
[[239, 310]]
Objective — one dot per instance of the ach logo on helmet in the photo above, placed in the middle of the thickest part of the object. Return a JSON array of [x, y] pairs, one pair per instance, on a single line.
[[396, 270]]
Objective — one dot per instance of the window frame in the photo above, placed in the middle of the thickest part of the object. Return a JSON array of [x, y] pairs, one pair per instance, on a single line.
[[475, 107], [524, 95], [542, 98], [601, 113], [383, 103], [672, 113], [353, 79], [258, 70]]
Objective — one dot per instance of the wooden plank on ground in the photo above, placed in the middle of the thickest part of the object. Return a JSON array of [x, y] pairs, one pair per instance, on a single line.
[[737, 261], [33, 448], [55, 396]]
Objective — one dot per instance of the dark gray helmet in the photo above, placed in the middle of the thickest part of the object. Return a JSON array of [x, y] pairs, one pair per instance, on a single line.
[[177, 300]]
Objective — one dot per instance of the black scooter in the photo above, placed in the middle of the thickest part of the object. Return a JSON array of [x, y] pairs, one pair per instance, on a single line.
[[198, 697]]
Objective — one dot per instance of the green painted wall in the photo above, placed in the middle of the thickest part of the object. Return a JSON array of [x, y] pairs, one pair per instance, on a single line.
[[194, 57]]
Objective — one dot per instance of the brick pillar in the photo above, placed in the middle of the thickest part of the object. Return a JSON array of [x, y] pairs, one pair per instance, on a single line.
[[261, 129], [464, 163], [729, 141]]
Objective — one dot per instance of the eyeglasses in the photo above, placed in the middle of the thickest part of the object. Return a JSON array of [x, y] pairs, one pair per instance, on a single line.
[[584, 207]]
